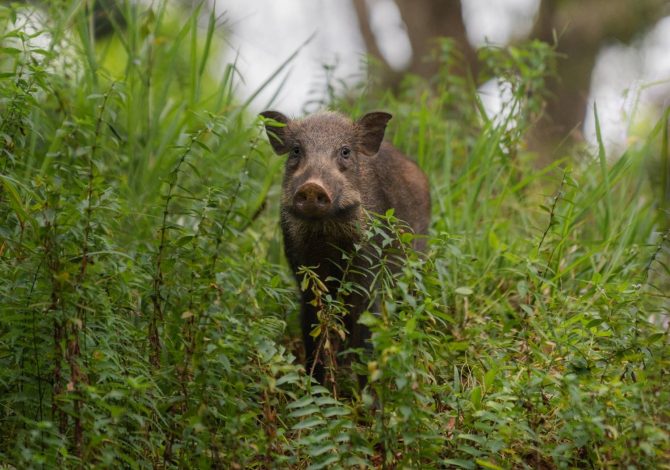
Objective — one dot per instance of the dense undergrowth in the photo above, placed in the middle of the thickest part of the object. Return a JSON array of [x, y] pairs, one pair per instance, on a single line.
[[147, 318]]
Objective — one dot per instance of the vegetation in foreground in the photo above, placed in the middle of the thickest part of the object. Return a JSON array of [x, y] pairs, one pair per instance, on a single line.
[[148, 320]]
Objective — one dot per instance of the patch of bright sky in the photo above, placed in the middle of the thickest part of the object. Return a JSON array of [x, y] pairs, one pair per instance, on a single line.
[[264, 33], [498, 21], [390, 33], [631, 87]]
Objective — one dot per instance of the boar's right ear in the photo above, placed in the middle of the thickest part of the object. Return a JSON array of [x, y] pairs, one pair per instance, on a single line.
[[276, 131], [371, 129]]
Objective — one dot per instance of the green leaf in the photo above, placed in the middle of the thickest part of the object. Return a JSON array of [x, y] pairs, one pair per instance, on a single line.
[[465, 291], [487, 464], [309, 423], [326, 400], [304, 284], [304, 411], [335, 411], [316, 331], [476, 397], [458, 345], [320, 450], [304, 401], [181, 241], [324, 464], [202, 146], [368, 319], [489, 377], [410, 326], [288, 378], [458, 463]]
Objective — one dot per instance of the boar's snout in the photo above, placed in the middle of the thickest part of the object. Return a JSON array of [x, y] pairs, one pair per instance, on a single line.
[[311, 200]]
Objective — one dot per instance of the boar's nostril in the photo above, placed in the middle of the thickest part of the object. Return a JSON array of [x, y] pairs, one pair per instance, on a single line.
[[311, 200]]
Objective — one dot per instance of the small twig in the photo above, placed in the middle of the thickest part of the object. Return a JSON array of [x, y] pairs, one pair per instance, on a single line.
[[34, 339], [552, 214]]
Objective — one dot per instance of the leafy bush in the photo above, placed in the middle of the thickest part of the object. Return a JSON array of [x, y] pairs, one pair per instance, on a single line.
[[147, 319]]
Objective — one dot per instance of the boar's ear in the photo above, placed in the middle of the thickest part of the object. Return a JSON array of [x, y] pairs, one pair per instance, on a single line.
[[276, 131], [371, 129]]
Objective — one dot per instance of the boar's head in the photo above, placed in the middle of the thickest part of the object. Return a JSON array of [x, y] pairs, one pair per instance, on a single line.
[[327, 165]]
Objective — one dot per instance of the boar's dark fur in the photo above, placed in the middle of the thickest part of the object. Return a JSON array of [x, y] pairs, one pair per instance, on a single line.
[[336, 168]]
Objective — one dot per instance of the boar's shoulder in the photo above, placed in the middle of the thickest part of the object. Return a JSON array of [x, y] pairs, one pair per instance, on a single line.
[[404, 186]]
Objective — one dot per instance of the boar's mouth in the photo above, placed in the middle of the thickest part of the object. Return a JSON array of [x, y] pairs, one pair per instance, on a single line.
[[345, 213]]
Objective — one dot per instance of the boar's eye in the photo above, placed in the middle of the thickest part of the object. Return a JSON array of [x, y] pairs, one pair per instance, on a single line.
[[345, 152], [295, 151]]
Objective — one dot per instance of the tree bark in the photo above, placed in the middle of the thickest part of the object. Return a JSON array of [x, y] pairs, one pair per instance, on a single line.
[[582, 27], [426, 20], [430, 19]]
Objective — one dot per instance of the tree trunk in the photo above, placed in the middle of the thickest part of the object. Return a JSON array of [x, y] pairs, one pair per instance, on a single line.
[[582, 28], [425, 20]]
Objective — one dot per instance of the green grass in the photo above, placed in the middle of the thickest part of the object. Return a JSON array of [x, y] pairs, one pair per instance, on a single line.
[[147, 318]]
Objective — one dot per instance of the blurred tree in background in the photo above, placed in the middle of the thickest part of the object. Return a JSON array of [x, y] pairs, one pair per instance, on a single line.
[[578, 28]]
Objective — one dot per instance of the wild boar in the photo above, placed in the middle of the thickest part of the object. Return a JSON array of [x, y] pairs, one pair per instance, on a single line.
[[336, 171]]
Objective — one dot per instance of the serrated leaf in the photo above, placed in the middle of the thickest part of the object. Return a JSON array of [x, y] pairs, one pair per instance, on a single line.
[[304, 401], [300, 412], [335, 411], [288, 378], [317, 451], [309, 423], [320, 390], [323, 401]]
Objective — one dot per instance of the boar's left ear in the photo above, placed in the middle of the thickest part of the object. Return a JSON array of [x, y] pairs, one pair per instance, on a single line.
[[371, 129], [276, 132]]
